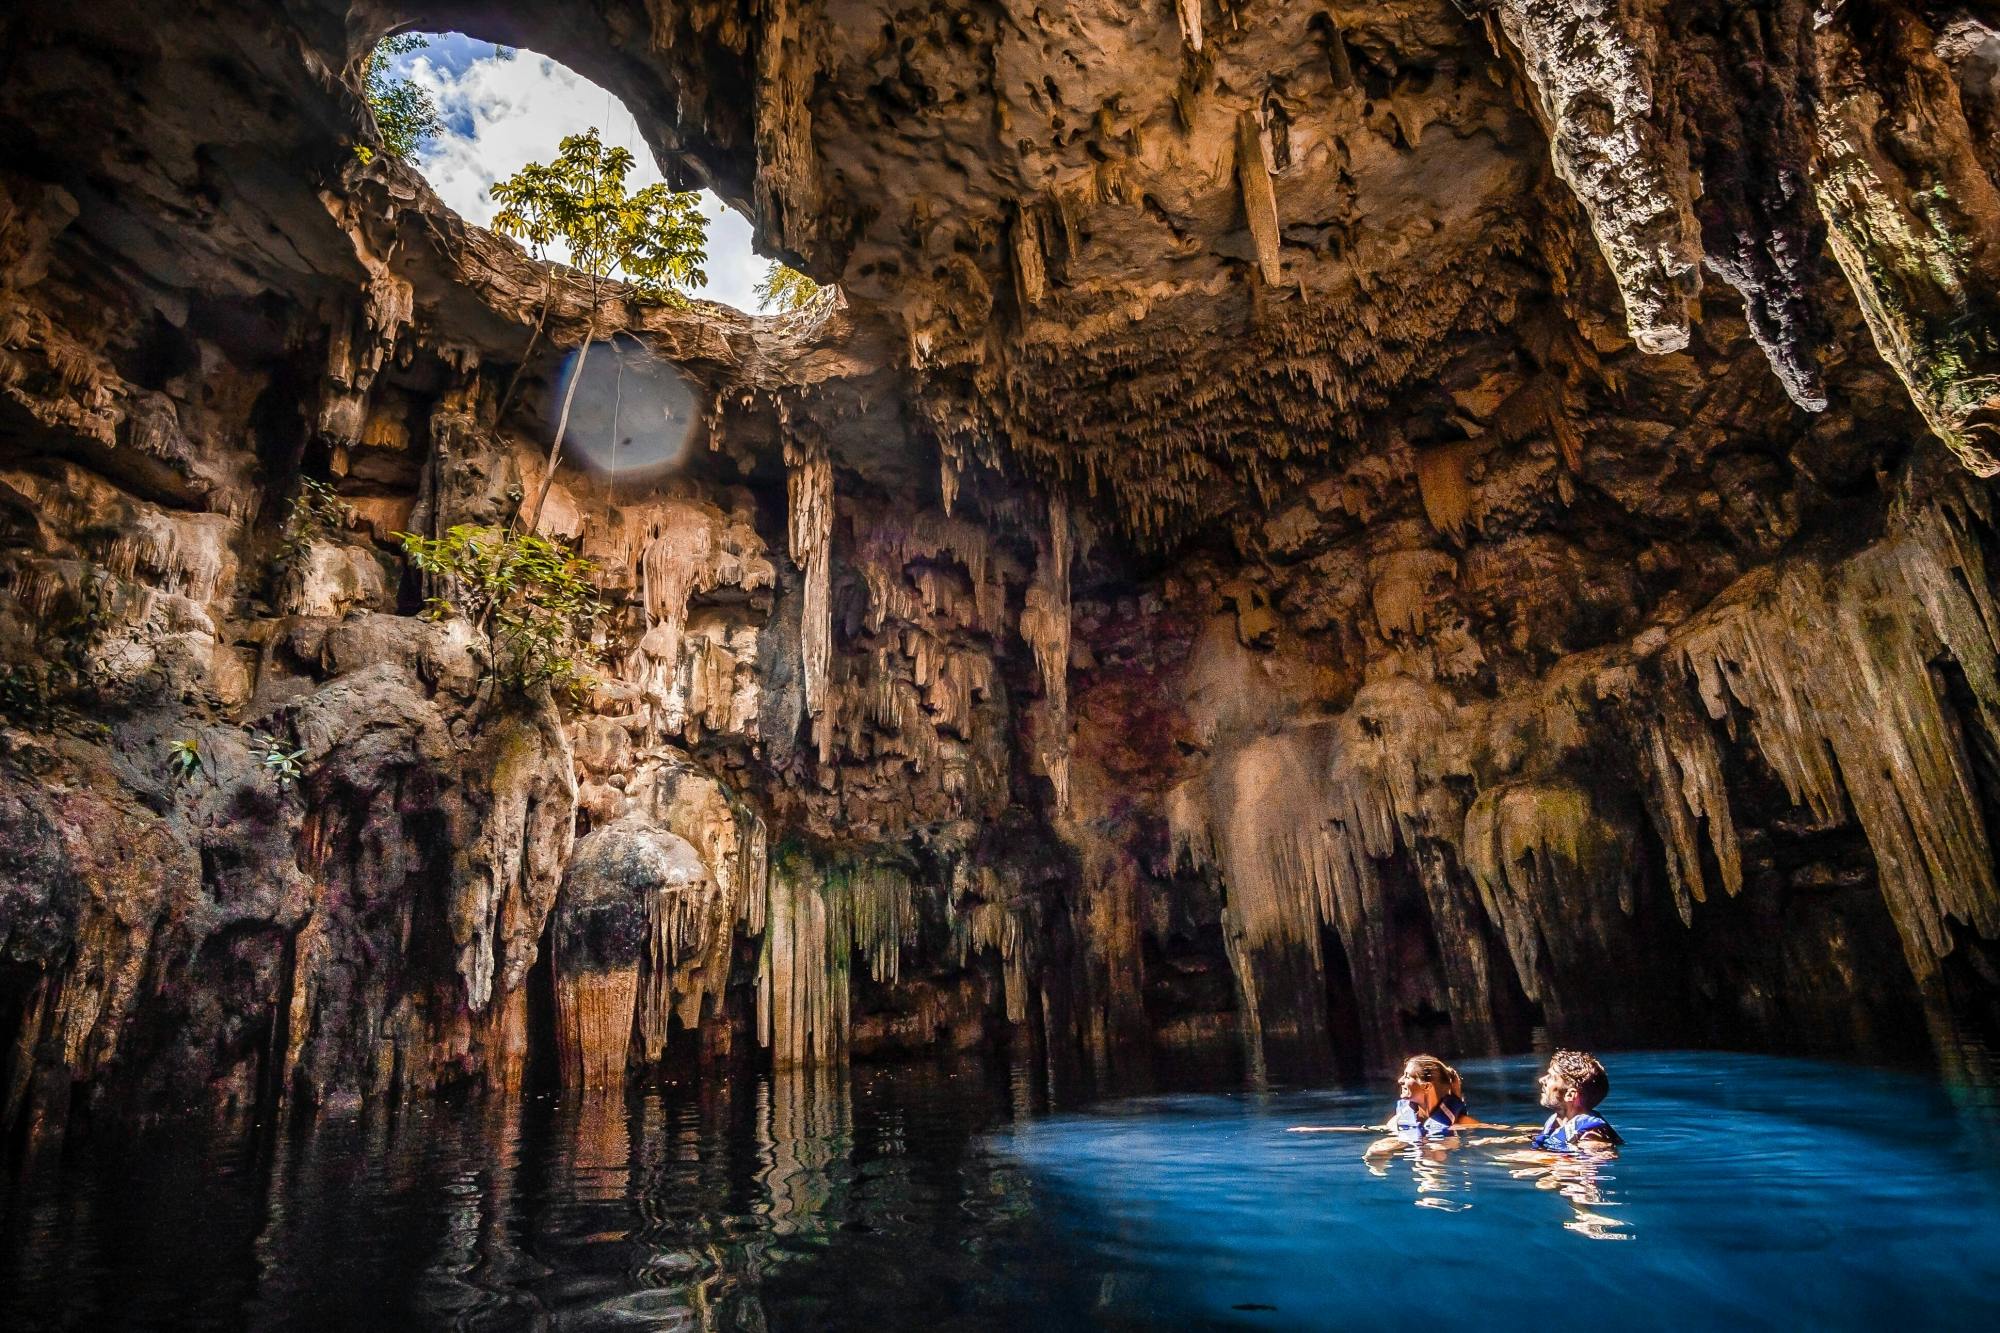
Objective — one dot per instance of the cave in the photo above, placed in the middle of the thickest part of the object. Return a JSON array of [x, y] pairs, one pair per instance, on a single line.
[[1282, 535]]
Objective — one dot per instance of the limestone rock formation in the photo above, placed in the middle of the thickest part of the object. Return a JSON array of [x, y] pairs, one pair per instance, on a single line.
[[1319, 527]]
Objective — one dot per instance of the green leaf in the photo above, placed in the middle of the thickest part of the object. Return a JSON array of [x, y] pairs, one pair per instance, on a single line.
[[785, 288], [405, 114], [656, 239]]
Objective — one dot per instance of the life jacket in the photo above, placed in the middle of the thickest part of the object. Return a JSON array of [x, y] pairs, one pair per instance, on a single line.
[[1438, 1123], [1559, 1137]]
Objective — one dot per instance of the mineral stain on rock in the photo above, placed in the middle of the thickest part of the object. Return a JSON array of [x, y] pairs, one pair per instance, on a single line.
[[1323, 528]]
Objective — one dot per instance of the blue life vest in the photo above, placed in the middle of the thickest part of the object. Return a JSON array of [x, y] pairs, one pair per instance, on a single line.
[[1559, 1137], [1437, 1124]]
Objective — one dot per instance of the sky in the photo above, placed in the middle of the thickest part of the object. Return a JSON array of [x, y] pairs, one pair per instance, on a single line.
[[504, 108]]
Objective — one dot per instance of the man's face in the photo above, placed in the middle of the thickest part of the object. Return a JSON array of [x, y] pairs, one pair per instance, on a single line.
[[1555, 1090], [1414, 1088]]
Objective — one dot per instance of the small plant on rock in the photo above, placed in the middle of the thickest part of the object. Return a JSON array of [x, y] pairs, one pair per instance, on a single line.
[[317, 511], [184, 758], [279, 760], [537, 599]]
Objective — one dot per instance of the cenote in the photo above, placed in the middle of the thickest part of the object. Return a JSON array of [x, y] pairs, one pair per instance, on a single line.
[[816, 664], [1753, 1192]]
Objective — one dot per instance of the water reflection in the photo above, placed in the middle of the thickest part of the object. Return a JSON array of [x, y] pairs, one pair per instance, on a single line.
[[958, 1197], [1584, 1181], [1441, 1180]]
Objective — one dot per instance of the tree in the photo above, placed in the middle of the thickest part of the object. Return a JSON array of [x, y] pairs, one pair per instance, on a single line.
[[654, 240], [404, 113], [785, 288]]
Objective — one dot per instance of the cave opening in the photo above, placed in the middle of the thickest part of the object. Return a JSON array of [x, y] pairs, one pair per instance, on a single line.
[[470, 113]]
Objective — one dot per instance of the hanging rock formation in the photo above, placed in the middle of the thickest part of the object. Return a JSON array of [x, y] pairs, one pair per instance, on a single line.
[[1314, 528]]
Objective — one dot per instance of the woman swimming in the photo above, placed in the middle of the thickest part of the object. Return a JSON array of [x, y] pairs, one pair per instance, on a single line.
[[1430, 1104], [1430, 1101]]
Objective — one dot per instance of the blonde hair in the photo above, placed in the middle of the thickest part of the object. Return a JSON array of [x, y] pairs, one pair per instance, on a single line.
[[1439, 1074]]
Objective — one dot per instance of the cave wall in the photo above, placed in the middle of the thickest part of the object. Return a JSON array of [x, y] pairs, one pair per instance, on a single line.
[[1319, 528]]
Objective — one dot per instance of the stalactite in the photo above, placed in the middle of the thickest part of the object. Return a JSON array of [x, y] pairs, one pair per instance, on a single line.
[[810, 494], [803, 1004], [1190, 15], [1045, 625], [678, 561], [1299, 825], [895, 542], [1031, 274], [990, 924], [510, 862], [1595, 89], [1442, 485], [1683, 765], [951, 464], [687, 925], [1833, 671], [1260, 198], [817, 919], [1909, 235], [1548, 866]]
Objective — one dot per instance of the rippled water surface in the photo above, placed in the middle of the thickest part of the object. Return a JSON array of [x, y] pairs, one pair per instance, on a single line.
[[1754, 1193]]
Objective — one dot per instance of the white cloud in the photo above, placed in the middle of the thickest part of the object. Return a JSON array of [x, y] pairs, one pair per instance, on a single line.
[[518, 107]]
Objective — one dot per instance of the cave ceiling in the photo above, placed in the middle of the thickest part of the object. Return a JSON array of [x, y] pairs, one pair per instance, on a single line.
[[1181, 260]]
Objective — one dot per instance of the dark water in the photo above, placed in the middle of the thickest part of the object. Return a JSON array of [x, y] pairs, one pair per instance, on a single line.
[[1755, 1193]]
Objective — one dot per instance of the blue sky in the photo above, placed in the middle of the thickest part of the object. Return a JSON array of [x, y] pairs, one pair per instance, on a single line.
[[504, 108]]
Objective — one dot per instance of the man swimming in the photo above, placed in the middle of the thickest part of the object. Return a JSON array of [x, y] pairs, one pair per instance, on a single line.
[[1572, 1087]]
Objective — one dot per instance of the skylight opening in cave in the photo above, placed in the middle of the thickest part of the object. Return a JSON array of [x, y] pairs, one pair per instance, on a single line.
[[500, 108]]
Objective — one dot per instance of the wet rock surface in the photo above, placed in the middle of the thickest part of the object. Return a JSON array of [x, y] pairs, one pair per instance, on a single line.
[[1330, 527]]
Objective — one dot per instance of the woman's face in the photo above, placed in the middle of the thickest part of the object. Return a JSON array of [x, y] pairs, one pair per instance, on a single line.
[[1416, 1088]]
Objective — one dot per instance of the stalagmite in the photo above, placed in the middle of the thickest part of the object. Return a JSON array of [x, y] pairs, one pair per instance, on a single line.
[[810, 492], [1260, 198], [636, 906]]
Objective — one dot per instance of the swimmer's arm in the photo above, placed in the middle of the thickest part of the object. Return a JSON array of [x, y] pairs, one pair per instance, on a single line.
[[1340, 1129]]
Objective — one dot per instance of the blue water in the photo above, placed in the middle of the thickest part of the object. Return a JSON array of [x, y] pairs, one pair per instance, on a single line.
[[1754, 1193]]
